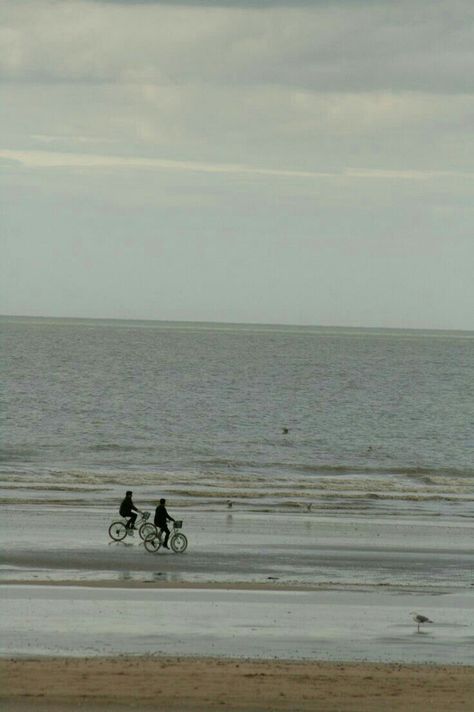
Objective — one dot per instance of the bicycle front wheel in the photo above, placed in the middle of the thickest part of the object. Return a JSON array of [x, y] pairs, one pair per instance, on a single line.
[[147, 530], [117, 531], [152, 544], [179, 543]]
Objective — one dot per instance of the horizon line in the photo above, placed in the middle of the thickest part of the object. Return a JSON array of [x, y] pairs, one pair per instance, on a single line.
[[235, 323]]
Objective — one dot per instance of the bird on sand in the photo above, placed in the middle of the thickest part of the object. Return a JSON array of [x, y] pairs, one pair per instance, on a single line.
[[419, 619]]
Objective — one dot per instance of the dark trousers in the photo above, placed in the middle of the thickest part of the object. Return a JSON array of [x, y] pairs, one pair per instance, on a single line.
[[131, 522], [164, 528]]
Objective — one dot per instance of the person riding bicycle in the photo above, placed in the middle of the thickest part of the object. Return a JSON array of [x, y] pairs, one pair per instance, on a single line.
[[161, 519], [128, 509]]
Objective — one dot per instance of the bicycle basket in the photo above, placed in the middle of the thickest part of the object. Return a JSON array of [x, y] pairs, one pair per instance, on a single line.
[[178, 524], [146, 515]]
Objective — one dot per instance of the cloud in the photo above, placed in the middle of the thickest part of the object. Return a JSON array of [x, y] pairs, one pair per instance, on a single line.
[[272, 127], [310, 90], [245, 138], [46, 159], [49, 159], [245, 4], [380, 46]]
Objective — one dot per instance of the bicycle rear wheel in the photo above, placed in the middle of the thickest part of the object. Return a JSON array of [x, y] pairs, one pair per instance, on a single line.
[[117, 531], [147, 530], [178, 543], [152, 544]]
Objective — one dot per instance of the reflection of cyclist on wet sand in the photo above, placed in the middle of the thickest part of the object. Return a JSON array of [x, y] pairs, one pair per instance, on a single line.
[[161, 519], [128, 509]]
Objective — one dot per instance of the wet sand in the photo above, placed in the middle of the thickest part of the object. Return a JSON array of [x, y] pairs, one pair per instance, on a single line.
[[205, 685], [257, 622], [251, 618], [243, 547]]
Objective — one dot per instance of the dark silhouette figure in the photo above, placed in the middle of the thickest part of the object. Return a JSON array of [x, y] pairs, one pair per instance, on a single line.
[[128, 509], [161, 520]]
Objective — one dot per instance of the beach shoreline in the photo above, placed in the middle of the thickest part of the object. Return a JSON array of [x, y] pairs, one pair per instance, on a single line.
[[299, 588], [227, 585], [229, 622], [208, 684]]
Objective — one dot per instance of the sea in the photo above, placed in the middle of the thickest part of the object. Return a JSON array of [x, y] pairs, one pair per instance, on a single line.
[[366, 422]]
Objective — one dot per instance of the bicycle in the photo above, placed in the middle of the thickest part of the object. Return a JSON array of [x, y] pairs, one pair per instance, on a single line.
[[118, 530], [177, 541]]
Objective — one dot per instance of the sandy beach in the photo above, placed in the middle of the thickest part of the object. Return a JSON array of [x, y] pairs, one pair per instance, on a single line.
[[246, 624], [234, 642], [195, 685]]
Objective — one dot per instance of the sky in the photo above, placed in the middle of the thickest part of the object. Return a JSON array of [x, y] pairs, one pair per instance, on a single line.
[[264, 161]]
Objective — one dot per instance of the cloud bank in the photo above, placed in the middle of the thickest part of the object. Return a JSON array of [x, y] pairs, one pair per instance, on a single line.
[[274, 130]]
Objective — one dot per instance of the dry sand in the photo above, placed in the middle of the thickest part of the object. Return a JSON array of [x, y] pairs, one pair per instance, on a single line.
[[205, 685]]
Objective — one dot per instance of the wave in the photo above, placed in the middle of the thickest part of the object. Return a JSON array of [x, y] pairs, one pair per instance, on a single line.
[[422, 473], [408, 471], [235, 473], [206, 489], [117, 447], [17, 453]]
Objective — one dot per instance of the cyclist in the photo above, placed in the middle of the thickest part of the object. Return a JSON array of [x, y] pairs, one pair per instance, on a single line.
[[128, 509], [161, 519]]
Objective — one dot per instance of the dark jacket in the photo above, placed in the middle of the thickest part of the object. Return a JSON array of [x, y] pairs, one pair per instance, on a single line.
[[162, 516], [127, 507]]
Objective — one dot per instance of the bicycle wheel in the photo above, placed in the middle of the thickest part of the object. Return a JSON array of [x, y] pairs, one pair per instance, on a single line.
[[147, 530], [152, 544], [178, 543], [117, 531]]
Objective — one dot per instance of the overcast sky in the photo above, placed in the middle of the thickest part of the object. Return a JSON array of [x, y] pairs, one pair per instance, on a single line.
[[248, 161]]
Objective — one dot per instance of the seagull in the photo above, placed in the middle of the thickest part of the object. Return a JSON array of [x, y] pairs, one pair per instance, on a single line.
[[229, 504], [419, 619], [309, 506]]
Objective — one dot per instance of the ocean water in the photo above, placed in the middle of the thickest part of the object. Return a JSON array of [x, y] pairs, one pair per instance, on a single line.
[[380, 422]]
